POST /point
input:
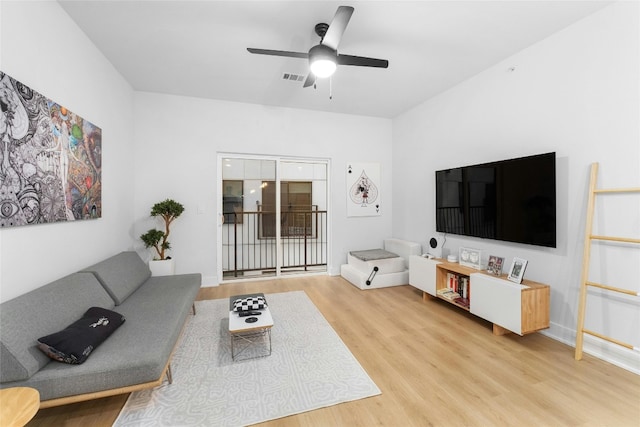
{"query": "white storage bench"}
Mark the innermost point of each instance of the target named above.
(380, 268)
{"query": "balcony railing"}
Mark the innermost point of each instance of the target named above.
(249, 242)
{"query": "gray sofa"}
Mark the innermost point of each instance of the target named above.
(134, 357)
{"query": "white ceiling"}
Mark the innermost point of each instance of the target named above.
(198, 48)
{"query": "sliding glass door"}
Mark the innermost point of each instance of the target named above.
(272, 216)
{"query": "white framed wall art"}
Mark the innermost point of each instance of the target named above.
(363, 189)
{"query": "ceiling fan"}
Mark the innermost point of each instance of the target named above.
(324, 57)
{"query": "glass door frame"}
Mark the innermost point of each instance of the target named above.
(221, 156)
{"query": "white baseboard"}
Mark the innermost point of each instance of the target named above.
(209, 281)
(212, 281)
(609, 352)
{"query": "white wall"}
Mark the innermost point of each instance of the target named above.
(170, 153)
(44, 49)
(576, 93)
(177, 141)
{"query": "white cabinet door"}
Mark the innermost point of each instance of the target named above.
(496, 300)
(422, 273)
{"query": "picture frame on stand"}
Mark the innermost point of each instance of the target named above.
(494, 265)
(470, 258)
(516, 272)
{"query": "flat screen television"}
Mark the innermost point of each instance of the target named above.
(511, 200)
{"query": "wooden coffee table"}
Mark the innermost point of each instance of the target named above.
(250, 331)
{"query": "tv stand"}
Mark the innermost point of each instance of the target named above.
(511, 307)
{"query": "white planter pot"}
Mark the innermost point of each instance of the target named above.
(164, 267)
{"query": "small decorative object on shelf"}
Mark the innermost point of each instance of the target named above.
(495, 265)
(471, 258)
(516, 272)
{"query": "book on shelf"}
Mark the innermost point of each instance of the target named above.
(448, 294)
(458, 283)
(464, 302)
(464, 287)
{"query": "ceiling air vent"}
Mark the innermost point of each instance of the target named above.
(293, 77)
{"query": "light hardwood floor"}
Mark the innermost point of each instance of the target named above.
(435, 365)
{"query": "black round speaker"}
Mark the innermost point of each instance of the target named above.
(433, 243)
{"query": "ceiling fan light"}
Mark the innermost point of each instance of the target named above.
(322, 68)
(322, 61)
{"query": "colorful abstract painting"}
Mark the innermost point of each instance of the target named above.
(50, 160)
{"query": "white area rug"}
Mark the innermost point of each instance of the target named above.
(309, 368)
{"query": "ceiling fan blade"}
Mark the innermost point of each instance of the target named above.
(310, 80)
(362, 61)
(337, 27)
(287, 53)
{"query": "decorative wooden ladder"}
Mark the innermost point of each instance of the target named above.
(585, 282)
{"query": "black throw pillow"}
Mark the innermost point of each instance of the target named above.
(75, 343)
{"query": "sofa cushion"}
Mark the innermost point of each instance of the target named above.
(373, 254)
(121, 274)
(41, 312)
(75, 343)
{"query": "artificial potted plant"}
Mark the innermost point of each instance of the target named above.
(168, 210)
